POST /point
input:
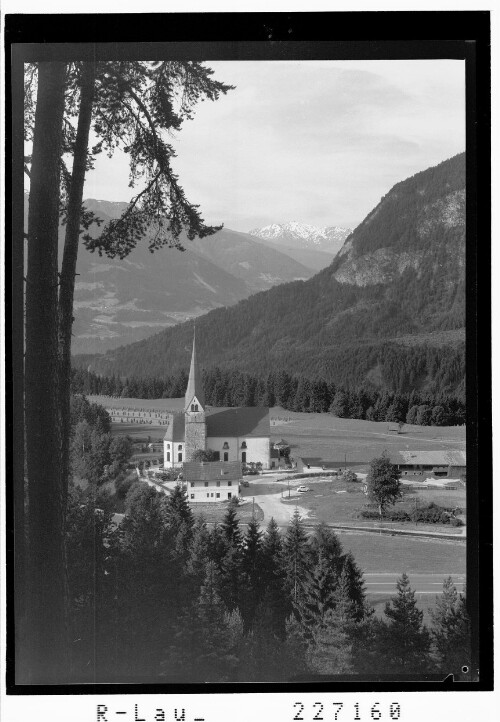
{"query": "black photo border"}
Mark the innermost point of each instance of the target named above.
(276, 36)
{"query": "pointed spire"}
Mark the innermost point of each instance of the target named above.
(195, 384)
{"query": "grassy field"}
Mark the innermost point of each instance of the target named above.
(335, 440)
(335, 501)
(383, 553)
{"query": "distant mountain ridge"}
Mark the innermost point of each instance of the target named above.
(396, 288)
(122, 301)
(303, 235)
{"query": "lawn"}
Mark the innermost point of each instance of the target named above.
(389, 554)
(338, 440)
(337, 501)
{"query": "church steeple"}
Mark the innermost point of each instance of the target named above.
(194, 391)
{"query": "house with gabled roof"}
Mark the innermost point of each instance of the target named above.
(240, 434)
(212, 481)
(449, 462)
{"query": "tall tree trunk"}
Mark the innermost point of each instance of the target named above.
(68, 269)
(46, 620)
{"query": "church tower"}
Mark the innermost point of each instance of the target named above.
(194, 409)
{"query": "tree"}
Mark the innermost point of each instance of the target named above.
(424, 415)
(438, 417)
(252, 588)
(349, 476)
(383, 482)
(90, 453)
(46, 630)
(331, 646)
(450, 630)
(296, 553)
(405, 641)
(120, 451)
(131, 104)
(411, 416)
(205, 455)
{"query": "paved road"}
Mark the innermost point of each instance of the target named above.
(427, 583)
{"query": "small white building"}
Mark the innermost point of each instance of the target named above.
(212, 481)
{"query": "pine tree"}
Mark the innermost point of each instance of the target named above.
(450, 630)
(296, 556)
(404, 641)
(276, 598)
(331, 645)
(230, 527)
(252, 588)
(317, 595)
(198, 552)
(355, 585)
(219, 633)
(324, 541)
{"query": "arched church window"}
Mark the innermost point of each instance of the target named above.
(243, 444)
(225, 445)
(180, 447)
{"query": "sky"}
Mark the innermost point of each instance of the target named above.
(318, 142)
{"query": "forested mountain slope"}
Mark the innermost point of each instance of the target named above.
(122, 301)
(399, 277)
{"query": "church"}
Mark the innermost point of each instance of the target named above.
(240, 434)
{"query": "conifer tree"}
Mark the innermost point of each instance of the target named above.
(198, 552)
(219, 633)
(296, 556)
(404, 641)
(230, 527)
(355, 585)
(450, 630)
(317, 595)
(252, 588)
(276, 598)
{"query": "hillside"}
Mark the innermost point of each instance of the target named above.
(400, 274)
(122, 301)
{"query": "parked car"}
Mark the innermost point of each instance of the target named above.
(245, 483)
(303, 488)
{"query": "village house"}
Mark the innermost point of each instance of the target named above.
(212, 481)
(450, 463)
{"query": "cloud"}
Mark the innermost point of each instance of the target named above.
(320, 142)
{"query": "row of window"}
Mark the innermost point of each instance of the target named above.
(217, 495)
(226, 456)
(217, 483)
(179, 456)
(179, 447)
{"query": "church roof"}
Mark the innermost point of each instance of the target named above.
(210, 470)
(239, 421)
(195, 382)
(176, 428)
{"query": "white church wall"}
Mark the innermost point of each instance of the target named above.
(257, 448)
(174, 454)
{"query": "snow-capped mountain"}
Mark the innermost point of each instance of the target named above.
(303, 235)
